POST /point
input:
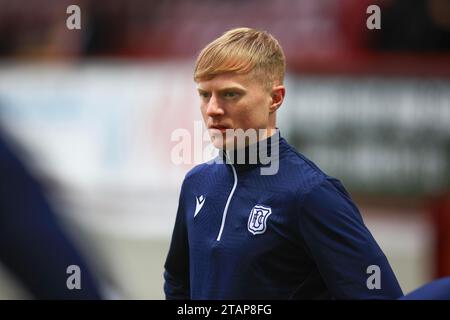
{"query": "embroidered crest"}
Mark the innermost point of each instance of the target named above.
(257, 221)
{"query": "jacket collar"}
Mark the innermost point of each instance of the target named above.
(262, 153)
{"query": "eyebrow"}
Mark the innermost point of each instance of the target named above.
(224, 89)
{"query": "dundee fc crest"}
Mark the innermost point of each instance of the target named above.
(257, 221)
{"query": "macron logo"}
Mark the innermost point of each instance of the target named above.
(200, 201)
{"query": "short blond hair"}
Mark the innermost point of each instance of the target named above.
(243, 50)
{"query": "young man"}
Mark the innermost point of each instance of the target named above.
(291, 233)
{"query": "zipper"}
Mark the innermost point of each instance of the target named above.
(224, 216)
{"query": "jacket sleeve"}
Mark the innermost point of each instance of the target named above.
(350, 261)
(176, 274)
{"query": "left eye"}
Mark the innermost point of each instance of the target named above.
(230, 94)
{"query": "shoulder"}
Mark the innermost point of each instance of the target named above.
(310, 180)
(202, 174)
(197, 171)
(303, 173)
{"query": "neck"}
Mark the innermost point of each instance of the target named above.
(267, 133)
(260, 153)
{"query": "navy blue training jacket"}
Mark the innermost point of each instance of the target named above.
(295, 234)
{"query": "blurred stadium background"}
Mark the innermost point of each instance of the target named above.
(94, 110)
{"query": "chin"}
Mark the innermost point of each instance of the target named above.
(220, 142)
(217, 141)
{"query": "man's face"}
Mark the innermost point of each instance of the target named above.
(235, 101)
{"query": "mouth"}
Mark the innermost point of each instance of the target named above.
(218, 128)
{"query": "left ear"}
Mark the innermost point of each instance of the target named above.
(277, 95)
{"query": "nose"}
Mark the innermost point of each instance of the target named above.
(213, 108)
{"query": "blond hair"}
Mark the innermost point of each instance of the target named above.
(243, 50)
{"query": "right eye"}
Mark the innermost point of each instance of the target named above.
(204, 95)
